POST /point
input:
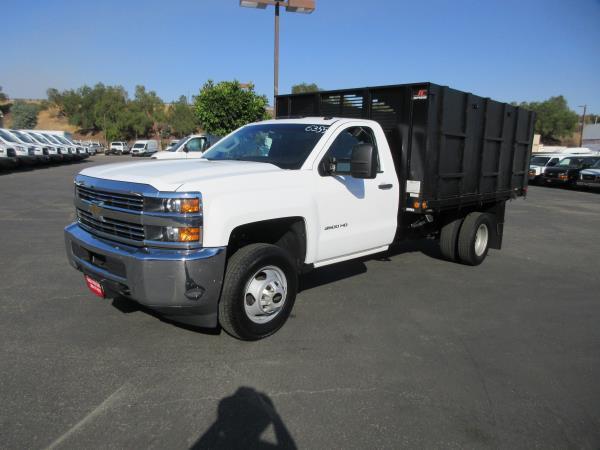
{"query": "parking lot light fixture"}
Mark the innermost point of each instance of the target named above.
(297, 6)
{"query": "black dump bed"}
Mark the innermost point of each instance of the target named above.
(455, 148)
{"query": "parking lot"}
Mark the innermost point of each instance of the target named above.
(400, 351)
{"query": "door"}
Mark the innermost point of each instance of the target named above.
(195, 147)
(355, 215)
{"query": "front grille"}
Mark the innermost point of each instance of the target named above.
(551, 174)
(589, 177)
(11, 152)
(31, 151)
(113, 227)
(125, 201)
(45, 151)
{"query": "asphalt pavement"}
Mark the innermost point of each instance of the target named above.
(400, 351)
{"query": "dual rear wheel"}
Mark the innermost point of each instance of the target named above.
(467, 239)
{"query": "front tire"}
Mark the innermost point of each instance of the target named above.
(259, 291)
(474, 238)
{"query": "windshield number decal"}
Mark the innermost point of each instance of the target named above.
(317, 128)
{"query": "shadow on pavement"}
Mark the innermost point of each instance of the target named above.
(242, 420)
(314, 279)
(127, 306)
(347, 269)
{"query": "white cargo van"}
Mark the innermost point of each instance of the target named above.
(144, 148)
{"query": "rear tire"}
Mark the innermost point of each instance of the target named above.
(474, 238)
(449, 239)
(257, 270)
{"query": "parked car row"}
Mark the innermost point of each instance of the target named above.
(33, 147)
(189, 147)
(566, 170)
(144, 147)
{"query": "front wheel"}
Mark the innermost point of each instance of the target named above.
(474, 238)
(259, 291)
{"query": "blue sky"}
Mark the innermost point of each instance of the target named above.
(505, 49)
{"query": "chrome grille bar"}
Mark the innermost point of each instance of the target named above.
(125, 201)
(111, 226)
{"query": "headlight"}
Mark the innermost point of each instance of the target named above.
(174, 234)
(187, 234)
(563, 176)
(173, 205)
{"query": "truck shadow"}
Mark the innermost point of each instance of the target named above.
(336, 272)
(128, 306)
(243, 421)
(316, 278)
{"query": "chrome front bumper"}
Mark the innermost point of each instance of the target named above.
(182, 285)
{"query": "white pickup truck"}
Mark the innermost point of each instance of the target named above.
(223, 239)
(190, 147)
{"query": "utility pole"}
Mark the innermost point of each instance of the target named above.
(297, 6)
(582, 124)
(276, 68)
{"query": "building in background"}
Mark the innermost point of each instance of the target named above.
(591, 136)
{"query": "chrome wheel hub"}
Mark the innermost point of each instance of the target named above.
(265, 294)
(481, 239)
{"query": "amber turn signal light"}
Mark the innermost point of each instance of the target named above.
(191, 234)
(190, 205)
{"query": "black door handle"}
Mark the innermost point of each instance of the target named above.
(385, 186)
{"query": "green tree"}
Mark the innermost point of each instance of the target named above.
(305, 87)
(181, 118)
(554, 118)
(225, 106)
(148, 111)
(3, 96)
(24, 115)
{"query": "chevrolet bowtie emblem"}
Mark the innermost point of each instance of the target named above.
(95, 210)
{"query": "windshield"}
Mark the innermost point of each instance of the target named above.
(51, 138)
(139, 145)
(62, 140)
(286, 145)
(8, 137)
(178, 144)
(39, 138)
(23, 137)
(539, 160)
(570, 162)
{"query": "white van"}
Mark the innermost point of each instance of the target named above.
(144, 148)
(118, 148)
(190, 147)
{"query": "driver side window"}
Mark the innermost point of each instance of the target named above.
(195, 145)
(340, 150)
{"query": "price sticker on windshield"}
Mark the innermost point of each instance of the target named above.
(317, 128)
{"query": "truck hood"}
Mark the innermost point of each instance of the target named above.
(171, 174)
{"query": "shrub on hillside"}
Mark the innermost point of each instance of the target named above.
(24, 115)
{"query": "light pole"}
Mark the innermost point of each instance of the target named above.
(299, 6)
(582, 124)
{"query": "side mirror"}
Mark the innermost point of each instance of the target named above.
(364, 161)
(185, 148)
